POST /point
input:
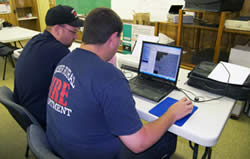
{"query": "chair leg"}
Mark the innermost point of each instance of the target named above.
(4, 69)
(12, 61)
(27, 151)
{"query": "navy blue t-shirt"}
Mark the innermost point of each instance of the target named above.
(89, 106)
(33, 73)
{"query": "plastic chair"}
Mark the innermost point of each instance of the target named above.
(38, 143)
(5, 52)
(23, 117)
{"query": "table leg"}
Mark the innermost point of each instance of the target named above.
(15, 44)
(210, 153)
(12, 61)
(207, 153)
(195, 148)
(20, 44)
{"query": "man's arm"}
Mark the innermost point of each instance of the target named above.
(151, 132)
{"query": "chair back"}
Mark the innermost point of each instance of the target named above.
(23, 117)
(5, 50)
(38, 143)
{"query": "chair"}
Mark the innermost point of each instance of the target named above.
(23, 117)
(5, 52)
(38, 143)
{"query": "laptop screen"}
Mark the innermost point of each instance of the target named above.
(160, 61)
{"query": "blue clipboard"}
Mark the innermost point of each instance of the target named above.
(162, 107)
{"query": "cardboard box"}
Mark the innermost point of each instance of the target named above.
(141, 18)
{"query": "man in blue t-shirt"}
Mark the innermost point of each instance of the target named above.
(35, 66)
(90, 109)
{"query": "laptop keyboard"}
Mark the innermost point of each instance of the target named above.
(149, 89)
(148, 83)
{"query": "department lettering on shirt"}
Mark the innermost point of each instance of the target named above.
(58, 96)
(66, 71)
(59, 108)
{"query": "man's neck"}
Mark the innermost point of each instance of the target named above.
(94, 48)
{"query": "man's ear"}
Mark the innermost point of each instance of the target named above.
(112, 38)
(57, 30)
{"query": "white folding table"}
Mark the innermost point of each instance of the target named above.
(205, 126)
(16, 34)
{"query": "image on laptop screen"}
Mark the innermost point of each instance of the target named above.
(161, 61)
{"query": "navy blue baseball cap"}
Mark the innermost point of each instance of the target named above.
(63, 15)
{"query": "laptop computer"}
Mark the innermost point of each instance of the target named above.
(158, 71)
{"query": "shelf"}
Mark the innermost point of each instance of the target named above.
(196, 26)
(23, 7)
(237, 31)
(200, 27)
(26, 18)
(200, 11)
(218, 29)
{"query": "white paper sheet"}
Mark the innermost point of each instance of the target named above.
(164, 39)
(4, 8)
(238, 74)
(138, 46)
(142, 30)
(240, 55)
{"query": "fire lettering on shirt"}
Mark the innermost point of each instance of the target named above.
(59, 91)
(64, 93)
(58, 95)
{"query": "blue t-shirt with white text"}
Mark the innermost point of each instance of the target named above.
(89, 106)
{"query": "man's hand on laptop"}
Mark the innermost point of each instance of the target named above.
(181, 108)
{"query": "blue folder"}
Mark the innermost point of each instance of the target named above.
(162, 107)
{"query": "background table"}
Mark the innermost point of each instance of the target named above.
(16, 34)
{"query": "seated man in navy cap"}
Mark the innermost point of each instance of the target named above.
(39, 58)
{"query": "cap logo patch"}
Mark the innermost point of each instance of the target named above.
(74, 13)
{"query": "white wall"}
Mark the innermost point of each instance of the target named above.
(158, 8)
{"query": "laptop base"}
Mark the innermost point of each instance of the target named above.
(149, 89)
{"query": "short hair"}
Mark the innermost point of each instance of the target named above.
(99, 25)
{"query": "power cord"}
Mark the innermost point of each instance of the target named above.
(197, 99)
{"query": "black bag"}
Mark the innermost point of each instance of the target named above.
(7, 24)
(198, 78)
